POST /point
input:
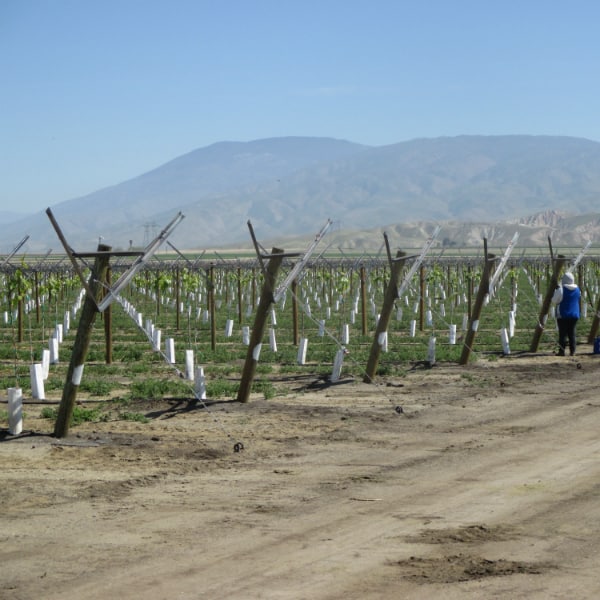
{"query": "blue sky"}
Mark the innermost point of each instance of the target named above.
(97, 92)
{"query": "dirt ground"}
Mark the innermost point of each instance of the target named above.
(450, 482)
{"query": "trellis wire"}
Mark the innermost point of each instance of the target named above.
(127, 306)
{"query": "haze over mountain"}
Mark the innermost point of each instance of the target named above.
(290, 186)
(8, 216)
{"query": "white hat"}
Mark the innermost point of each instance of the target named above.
(568, 279)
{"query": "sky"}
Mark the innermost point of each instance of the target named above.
(93, 93)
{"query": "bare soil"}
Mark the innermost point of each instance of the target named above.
(451, 482)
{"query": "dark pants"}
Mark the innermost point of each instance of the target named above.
(566, 331)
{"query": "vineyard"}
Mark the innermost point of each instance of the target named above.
(407, 431)
(182, 327)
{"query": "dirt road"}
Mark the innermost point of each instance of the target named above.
(486, 485)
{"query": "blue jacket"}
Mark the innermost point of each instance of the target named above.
(568, 307)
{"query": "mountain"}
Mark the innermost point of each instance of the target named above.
(7, 216)
(138, 208)
(290, 186)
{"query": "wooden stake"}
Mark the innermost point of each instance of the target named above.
(470, 291)
(260, 320)
(421, 298)
(483, 290)
(37, 295)
(557, 264)
(363, 299)
(82, 342)
(595, 321)
(107, 315)
(239, 295)
(295, 311)
(211, 308)
(157, 289)
(20, 312)
(177, 299)
(391, 294)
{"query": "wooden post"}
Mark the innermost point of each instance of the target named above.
(20, 316)
(157, 285)
(483, 290)
(19, 296)
(295, 311)
(211, 308)
(595, 323)
(421, 298)
(81, 344)
(239, 295)
(391, 294)
(36, 280)
(177, 299)
(330, 285)
(513, 289)
(108, 352)
(363, 299)
(260, 320)
(470, 291)
(557, 265)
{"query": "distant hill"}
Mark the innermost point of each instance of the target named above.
(567, 232)
(7, 216)
(290, 186)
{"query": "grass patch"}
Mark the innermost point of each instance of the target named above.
(80, 415)
(219, 388)
(264, 387)
(133, 416)
(96, 387)
(155, 389)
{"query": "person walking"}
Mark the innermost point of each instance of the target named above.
(567, 297)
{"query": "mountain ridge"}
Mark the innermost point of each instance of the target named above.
(565, 231)
(287, 187)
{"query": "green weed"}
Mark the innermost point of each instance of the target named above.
(158, 388)
(80, 415)
(96, 387)
(133, 416)
(219, 388)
